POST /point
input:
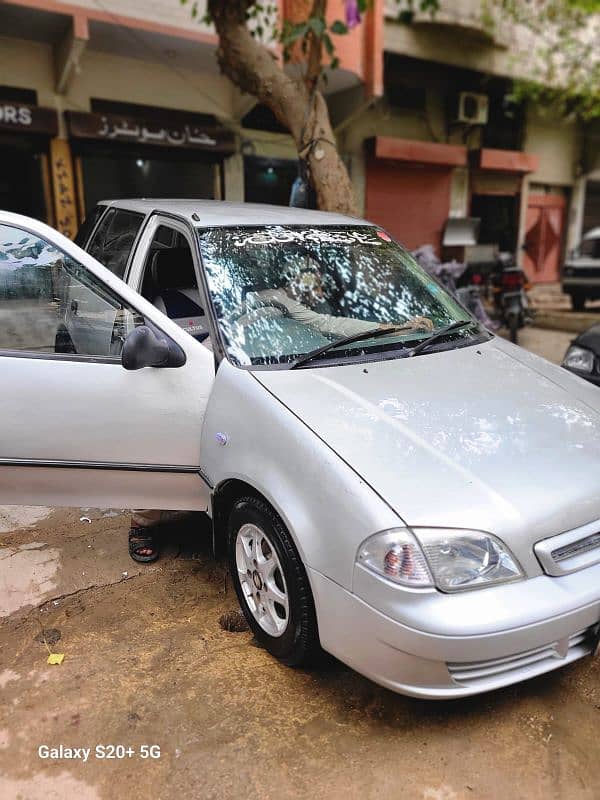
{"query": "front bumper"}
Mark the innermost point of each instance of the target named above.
(448, 655)
(582, 284)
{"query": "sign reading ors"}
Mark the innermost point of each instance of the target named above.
(33, 119)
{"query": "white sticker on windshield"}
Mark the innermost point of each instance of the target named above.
(316, 235)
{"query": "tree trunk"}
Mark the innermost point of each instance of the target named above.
(302, 110)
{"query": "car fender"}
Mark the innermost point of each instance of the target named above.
(250, 436)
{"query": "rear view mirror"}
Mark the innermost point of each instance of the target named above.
(145, 348)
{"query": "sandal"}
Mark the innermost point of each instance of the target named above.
(143, 539)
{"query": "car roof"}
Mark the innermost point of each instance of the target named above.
(215, 213)
(593, 233)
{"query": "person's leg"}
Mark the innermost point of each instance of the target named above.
(142, 536)
(143, 544)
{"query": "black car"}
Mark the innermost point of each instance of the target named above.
(583, 356)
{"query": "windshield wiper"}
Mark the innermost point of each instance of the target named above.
(454, 326)
(356, 337)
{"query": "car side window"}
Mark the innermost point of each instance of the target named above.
(88, 225)
(590, 248)
(113, 239)
(50, 303)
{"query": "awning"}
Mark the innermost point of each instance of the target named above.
(433, 153)
(506, 160)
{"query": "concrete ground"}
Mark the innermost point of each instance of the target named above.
(551, 345)
(147, 663)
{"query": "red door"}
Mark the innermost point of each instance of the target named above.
(411, 201)
(544, 226)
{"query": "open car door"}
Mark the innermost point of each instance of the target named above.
(77, 428)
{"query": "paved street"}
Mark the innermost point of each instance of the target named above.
(147, 663)
(549, 344)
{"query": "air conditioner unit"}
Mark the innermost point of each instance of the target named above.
(472, 108)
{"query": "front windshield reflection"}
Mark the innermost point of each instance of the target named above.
(283, 291)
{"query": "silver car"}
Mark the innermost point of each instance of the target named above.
(392, 483)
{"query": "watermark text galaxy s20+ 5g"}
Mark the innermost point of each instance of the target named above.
(98, 752)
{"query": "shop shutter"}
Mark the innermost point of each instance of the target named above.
(411, 201)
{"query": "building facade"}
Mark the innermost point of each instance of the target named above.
(98, 103)
(447, 140)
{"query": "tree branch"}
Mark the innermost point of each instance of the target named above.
(296, 102)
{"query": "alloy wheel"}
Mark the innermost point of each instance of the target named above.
(262, 580)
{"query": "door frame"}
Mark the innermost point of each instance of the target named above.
(134, 275)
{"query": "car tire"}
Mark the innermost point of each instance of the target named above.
(578, 302)
(263, 558)
(513, 328)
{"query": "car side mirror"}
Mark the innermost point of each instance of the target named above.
(145, 348)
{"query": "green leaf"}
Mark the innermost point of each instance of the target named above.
(292, 33)
(339, 28)
(335, 62)
(329, 46)
(317, 26)
(406, 17)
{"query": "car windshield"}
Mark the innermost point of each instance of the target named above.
(590, 247)
(281, 292)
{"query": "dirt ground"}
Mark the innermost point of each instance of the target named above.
(147, 663)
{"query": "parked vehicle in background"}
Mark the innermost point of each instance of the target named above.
(509, 287)
(451, 274)
(583, 356)
(581, 271)
(393, 483)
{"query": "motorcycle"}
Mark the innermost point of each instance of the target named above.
(453, 277)
(509, 287)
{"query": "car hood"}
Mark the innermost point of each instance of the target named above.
(488, 437)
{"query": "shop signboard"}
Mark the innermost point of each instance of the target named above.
(181, 132)
(24, 118)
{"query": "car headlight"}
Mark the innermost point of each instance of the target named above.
(579, 358)
(451, 559)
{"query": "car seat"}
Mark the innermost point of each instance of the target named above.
(177, 293)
